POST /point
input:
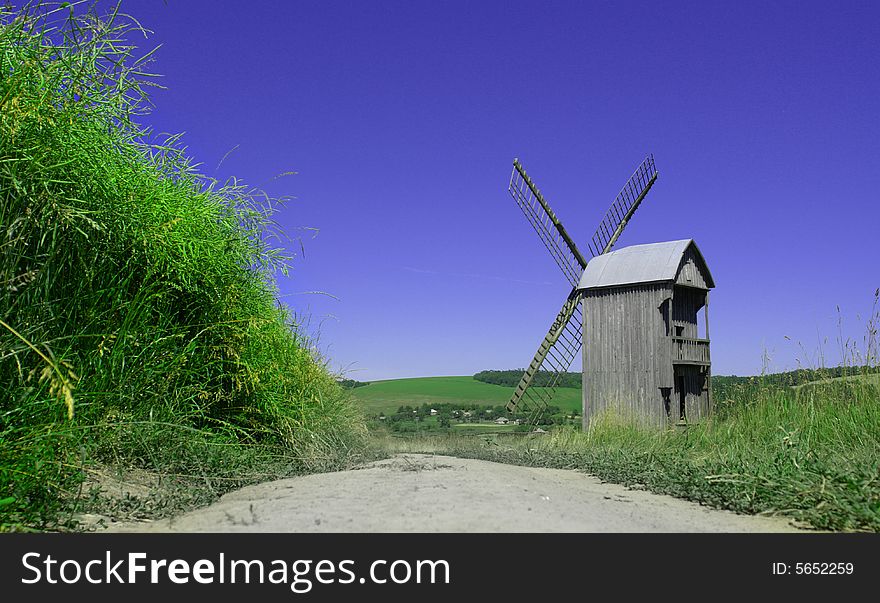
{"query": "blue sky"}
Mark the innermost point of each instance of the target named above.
(401, 120)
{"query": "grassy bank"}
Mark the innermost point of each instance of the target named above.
(138, 317)
(811, 453)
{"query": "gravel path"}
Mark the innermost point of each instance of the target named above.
(425, 493)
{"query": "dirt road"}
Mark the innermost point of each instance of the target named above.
(424, 493)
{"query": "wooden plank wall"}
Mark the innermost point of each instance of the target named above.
(691, 266)
(627, 356)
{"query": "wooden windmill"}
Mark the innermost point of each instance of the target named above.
(644, 297)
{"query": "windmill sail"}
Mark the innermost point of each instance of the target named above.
(546, 224)
(555, 355)
(623, 207)
(563, 341)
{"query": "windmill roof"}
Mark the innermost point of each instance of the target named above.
(639, 264)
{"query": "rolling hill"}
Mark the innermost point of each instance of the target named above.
(388, 396)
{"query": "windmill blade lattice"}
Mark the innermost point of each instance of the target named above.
(555, 355)
(546, 224)
(623, 207)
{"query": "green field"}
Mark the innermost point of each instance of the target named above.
(388, 396)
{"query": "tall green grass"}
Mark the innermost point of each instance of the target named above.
(137, 298)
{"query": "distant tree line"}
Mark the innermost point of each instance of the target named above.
(542, 378)
(351, 383)
(797, 377)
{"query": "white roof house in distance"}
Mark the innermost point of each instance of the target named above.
(645, 353)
